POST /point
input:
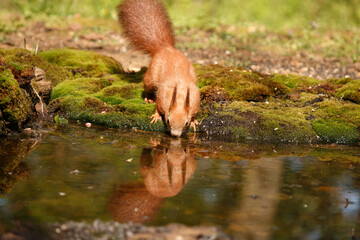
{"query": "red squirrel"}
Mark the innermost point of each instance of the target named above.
(170, 80)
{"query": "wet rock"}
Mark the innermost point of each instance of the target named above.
(26, 81)
(15, 103)
(24, 91)
(43, 85)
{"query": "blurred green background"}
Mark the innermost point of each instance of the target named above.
(272, 14)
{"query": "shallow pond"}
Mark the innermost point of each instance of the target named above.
(250, 191)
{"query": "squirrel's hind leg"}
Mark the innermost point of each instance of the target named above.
(148, 100)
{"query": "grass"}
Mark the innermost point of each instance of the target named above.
(326, 27)
(273, 14)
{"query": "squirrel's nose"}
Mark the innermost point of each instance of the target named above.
(176, 133)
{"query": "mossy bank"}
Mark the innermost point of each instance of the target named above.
(237, 104)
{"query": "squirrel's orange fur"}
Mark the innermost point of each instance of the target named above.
(170, 76)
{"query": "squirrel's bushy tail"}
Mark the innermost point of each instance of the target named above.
(147, 24)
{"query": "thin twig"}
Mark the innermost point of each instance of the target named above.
(41, 102)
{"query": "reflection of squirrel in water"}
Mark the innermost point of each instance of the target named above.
(165, 169)
(170, 75)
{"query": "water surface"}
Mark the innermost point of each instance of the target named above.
(250, 191)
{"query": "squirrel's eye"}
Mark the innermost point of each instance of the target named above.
(168, 121)
(186, 124)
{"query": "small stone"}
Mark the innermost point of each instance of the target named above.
(62, 194)
(88, 125)
(39, 74)
(129, 234)
(129, 160)
(76, 172)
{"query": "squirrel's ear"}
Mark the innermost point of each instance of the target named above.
(187, 101)
(173, 99)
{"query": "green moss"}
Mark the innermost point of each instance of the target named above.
(60, 121)
(83, 63)
(238, 83)
(341, 111)
(350, 91)
(330, 130)
(117, 94)
(291, 115)
(128, 115)
(15, 104)
(80, 87)
(20, 59)
(115, 101)
(341, 81)
(258, 107)
(294, 81)
(260, 122)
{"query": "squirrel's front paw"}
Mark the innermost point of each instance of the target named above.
(155, 117)
(193, 124)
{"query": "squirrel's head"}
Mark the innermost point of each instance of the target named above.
(178, 118)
